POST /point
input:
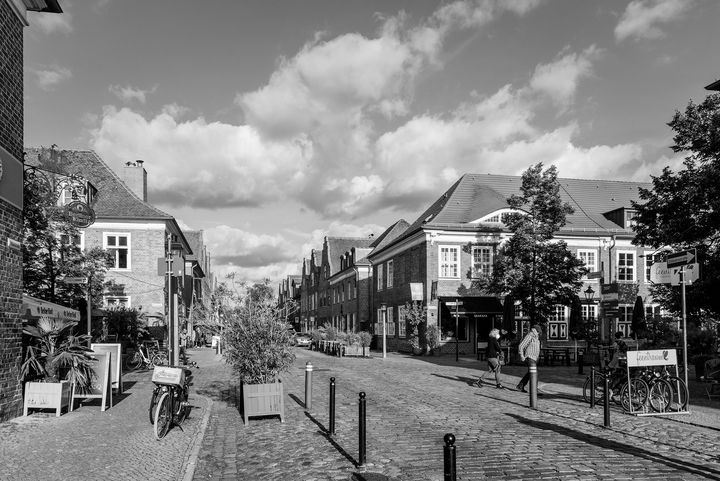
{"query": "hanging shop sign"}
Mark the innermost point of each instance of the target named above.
(79, 214)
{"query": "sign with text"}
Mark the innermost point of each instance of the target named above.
(691, 273)
(659, 357)
(75, 280)
(100, 387)
(416, 291)
(115, 351)
(683, 258)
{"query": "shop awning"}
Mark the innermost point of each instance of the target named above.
(33, 308)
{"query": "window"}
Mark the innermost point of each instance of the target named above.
(649, 260)
(449, 261)
(589, 258)
(625, 319)
(589, 312)
(557, 325)
(389, 274)
(390, 323)
(402, 322)
(482, 262)
(78, 240)
(630, 218)
(626, 266)
(380, 280)
(116, 302)
(652, 310)
(119, 246)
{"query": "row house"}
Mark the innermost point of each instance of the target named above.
(309, 291)
(289, 300)
(444, 258)
(13, 19)
(142, 238)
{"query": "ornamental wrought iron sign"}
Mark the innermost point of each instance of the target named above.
(79, 214)
(68, 195)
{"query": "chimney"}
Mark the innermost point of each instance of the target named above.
(135, 177)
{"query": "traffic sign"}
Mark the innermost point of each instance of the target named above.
(453, 303)
(683, 258)
(75, 280)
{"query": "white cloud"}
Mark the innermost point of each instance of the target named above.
(559, 79)
(128, 93)
(47, 77)
(52, 22)
(642, 18)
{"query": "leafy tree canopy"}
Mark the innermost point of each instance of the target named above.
(536, 269)
(682, 209)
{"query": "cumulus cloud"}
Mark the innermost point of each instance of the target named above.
(52, 23)
(559, 79)
(643, 19)
(48, 77)
(128, 93)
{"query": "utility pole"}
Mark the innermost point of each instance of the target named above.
(172, 341)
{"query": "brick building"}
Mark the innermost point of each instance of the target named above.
(13, 18)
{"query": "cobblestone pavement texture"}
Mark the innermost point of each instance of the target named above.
(412, 402)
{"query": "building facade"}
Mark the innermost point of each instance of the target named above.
(13, 18)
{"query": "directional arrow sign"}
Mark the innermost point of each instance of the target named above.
(453, 303)
(75, 280)
(681, 258)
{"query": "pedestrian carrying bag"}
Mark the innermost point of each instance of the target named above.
(501, 358)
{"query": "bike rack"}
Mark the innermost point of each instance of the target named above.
(654, 358)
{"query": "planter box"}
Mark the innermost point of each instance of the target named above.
(263, 400)
(356, 350)
(47, 395)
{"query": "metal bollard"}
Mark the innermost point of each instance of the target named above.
(533, 384)
(592, 387)
(606, 401)
(332, 406)
(308, 385)
(581, 361)
(361, 430)
(449, 457)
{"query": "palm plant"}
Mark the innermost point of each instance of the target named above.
(55, 353)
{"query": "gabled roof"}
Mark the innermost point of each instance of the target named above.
(361, 254)
(390, 234)
(114, 199)
(338, 246)
(474, 196)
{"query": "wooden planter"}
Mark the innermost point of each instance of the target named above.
(47, 395)
(355, 350)
(263, 400)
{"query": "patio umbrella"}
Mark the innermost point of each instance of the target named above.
(638, 317)
(576, 321)
(508, 323)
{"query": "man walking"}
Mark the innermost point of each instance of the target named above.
(529, 350)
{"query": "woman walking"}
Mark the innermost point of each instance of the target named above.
(494, 353)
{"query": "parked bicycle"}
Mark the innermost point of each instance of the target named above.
(631, 395)
(146, 359)
(169, 402)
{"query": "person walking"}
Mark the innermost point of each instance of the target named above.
(494, 353)
(529, 350)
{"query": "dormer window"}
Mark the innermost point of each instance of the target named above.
(498, 217)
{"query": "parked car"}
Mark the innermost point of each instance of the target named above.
(303, 339)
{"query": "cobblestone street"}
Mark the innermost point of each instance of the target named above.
(412, 402)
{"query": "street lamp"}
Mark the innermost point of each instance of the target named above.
(589, 294)
(383, 309)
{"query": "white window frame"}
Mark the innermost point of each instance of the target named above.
(390, 273)
(81, 245)
(118, 235)
(380, 277)
(558, 323)
(390, 322)
(107, 298)
(629, 269)
(648, 256)
(402, 322)
(447, 265)
(588, 312)
(583, 256)
(485, 268)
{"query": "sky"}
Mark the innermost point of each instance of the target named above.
(270, 124)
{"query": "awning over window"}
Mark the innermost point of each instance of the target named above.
(33, 308)
(473, 305)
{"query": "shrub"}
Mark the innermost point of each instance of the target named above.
(432, 337)
(316, 336)
(258, 343)
(353, 338)
(365, 338)
(331, 334)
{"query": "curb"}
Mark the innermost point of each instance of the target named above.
(191, 463)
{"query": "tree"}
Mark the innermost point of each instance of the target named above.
(416, 318)
(682, 209)
(50, 248)
(535, 268)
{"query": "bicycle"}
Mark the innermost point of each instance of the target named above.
(631, 395)
(169, 398)
(145, 359)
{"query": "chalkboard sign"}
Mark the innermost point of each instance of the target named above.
(115, 363)
(100, 387)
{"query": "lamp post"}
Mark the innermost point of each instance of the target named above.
(589, 294)
(383, 309)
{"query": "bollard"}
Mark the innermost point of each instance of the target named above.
(567, 357)
(449, 457)
(361, 430)
(592, 387)
(533, 383)
(606, 401)
(308, 385)
(581, 360)
(332, 406)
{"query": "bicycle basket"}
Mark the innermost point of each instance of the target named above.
(168, 375)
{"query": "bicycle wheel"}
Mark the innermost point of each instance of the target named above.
(661, 395)
(163, 416)
(634, 395)
(160, 359)
(133, 362)
(183, 408)
(153, 404)
(599, 392)
(681, 395)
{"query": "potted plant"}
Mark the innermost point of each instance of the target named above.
(55, 361)
(365, 340)
(258, 346)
